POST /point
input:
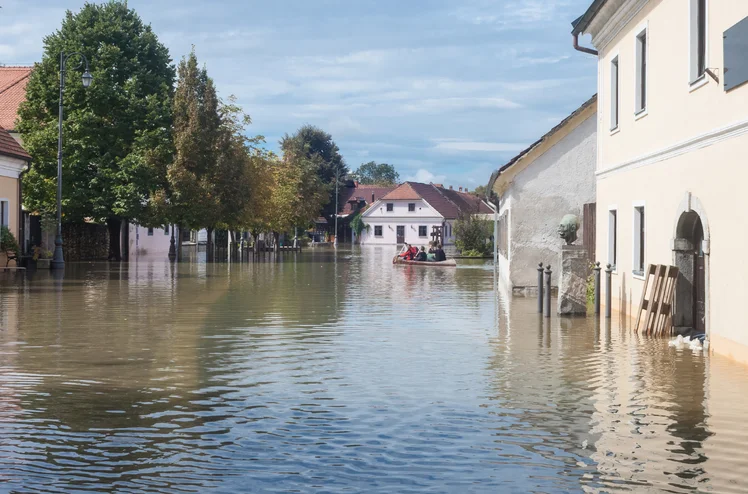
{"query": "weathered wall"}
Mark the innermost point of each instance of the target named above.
(557, 183)
(142, 244)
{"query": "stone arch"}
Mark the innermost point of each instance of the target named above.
(690, 246)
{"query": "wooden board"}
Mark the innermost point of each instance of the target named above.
(655, 308)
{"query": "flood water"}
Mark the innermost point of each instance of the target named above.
(327, 373)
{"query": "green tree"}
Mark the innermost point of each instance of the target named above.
(317, 147)
(117, 132)
(192, 198)
(473, 235)
(479, 191)
(373, 173)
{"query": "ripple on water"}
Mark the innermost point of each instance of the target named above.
(345, 375)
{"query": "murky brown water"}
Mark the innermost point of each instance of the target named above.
(347, 374)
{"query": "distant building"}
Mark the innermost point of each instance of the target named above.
(13, 82)
(413, 211)
(671, 165)
(149, 242)
(553, 177)
(354, 198)
(13, 160)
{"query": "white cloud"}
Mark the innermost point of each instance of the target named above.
(451, 145)
(436, 105)
(425, 176)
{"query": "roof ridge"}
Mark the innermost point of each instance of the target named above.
(445, 196)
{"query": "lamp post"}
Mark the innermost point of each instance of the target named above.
(337, 181)
(58, 261)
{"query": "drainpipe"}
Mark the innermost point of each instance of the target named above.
(495, 231)
(589, 51)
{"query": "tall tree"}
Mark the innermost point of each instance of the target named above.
(193, 201)
(373, 173)
(317, 147)
(117, 132)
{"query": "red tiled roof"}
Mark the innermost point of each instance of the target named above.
(448, 203)
(351, 196)
(12, 93)
(9, 146)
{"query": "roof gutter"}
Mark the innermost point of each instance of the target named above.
(583, 49)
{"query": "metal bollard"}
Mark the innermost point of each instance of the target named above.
(548, 291)
(608, 290)
(597, 288)
(540, 288)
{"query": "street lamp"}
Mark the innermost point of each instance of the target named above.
(58, 261)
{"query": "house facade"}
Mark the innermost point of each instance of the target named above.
(413, 211)
(145, 241)
(553, 177)
(356, 197)
(673, 134)
(13, 161)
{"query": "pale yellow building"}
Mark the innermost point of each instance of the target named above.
(13, 161)
(672, 143)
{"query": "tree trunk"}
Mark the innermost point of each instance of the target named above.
(114, 225)
(276, 239)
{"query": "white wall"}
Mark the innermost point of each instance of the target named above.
(557, 183)
(424, 215)
(142, 244)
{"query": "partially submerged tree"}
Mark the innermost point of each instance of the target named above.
(192, 200)
(373, 173)
(117, 133)
(473, 235)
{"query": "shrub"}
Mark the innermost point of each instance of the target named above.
(8, 241)
(473, 234)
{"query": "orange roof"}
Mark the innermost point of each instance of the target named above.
(405, 192)
(12, 92)
(9, 146)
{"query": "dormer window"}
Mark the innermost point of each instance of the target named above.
(412, 207)
(390, 207)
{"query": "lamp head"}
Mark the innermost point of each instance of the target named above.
(87, 78)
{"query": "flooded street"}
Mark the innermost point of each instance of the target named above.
(327, 373)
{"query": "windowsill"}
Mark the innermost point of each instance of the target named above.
(638, 275)
(615, 130)
(641, 114)
(700, 82)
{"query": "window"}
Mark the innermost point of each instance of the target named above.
(390, 207)
(411, 207)
(614, 94)
(378, 231)
(612, 237)
(423, 231)
(641, 71)
(150, 232)
(166, 230)
(4, 213)
(639, 240)
(698, 39)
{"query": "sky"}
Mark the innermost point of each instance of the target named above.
(446, 91)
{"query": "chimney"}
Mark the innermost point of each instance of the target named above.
(372, 197)
(450, 187)
(460, 189)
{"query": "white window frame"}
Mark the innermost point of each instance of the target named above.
(5, 212)
(149, 231)
(613, 244)
(637, 241)
(615, 94)
(387, 207)
(695, 80)
(426, 235)
(381, 231)
(641, 72)
(414, 207)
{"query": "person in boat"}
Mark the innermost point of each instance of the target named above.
(409, 252)
(421, 256)
(439, 254)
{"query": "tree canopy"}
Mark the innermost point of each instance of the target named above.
(117, 132)
(373, 173)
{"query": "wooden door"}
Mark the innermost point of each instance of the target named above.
(400, 234)
(589, 222)
(699, 285)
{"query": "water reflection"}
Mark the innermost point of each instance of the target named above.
(344, 373)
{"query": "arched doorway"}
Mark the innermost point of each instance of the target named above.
(691, 257)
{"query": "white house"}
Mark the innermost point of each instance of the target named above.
(150, 242)
(414, 211)
(553, 177)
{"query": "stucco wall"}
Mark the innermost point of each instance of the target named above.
(713, 175)
(675, 111)
(557, 183)
(692, 139)
(9, 192)
(141, 244)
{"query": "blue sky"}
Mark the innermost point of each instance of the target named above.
(444, 90)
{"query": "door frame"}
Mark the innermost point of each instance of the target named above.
(398, 238)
